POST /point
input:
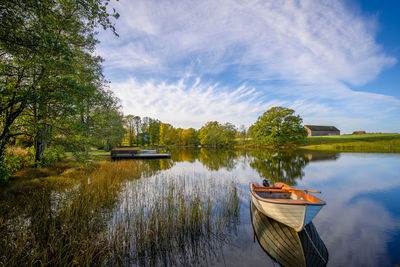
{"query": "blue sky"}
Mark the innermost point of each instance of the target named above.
(189, 62)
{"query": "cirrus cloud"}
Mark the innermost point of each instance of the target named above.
(304, 54)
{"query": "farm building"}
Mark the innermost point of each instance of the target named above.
(317, 130)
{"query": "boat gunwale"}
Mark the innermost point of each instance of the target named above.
(282, 200)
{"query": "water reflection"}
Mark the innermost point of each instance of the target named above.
(279, 166)
(322, 156)
(360, 226)
(212, 159)
(286, 246)
(283, 166)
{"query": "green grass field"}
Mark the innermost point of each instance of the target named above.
(96, 155)
(386, 143)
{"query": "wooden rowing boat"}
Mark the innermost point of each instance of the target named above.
(286, 246)
(288, 205)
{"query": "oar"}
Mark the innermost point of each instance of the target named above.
(305, 190)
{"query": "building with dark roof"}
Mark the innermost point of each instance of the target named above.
(318, 130)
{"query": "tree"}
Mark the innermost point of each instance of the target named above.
(190, 137)
(167, 134)
(130, 128)
(278, 126)
(137, 123)
(215, 134)
(154, 132)
(108, 122)
(46, 61)
(227, 134)
(242, 133)
(209, 133)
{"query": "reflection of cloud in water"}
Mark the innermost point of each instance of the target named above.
(356, 228)
(355, 231)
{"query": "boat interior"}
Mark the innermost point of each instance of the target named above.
(283, 193)
(275, 193)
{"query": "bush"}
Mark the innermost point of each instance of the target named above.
(12, 163)
(51, 156)
(81, 157)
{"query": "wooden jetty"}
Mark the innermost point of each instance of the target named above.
(136, 153)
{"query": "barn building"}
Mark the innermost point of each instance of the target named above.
(317, 130)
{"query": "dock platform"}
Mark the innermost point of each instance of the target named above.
(125, 153)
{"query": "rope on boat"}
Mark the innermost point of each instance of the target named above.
(312, 243)
(266, 237)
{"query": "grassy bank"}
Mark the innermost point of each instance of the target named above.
(105, 215)
(380, 143)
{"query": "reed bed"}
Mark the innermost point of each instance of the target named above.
(107, 216)
(173, 220)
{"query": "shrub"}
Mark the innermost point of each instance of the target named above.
(81, 157)
(12, 163)
(51, 156)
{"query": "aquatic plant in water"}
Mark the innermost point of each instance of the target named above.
(109, 216)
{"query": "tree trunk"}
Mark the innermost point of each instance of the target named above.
(3, 147)
(108, 146)
(87, 129)
(40, 143)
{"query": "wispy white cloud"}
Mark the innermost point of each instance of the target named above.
(190, 103)
(299, 53)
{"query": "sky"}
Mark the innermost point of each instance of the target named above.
(190, 62)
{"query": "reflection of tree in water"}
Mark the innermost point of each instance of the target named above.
(214, 159)
(153, 166)
(321, 155)
(185, 154)
(279, 166)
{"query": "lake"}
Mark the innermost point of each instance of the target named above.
(360, 225)
(195, 209)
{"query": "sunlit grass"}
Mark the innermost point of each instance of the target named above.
(355, 143)
(106, 215)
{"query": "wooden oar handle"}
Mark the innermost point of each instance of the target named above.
(305, 190)
(311, 191)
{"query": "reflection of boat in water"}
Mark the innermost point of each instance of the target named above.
(293, 207)
(286, 246)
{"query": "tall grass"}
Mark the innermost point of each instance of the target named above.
(106, 216)
(172, 220)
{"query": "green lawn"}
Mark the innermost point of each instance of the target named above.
(94, 154)
(355, 143)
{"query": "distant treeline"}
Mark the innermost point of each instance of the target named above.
(148, 131)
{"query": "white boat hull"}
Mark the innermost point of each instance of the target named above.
(296, 216)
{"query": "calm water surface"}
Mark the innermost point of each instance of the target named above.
(360, 225)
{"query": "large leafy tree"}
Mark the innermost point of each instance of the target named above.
(46, 63)
(107, 122)
(154, 131)
(215, 134)
(190, 137)
(278, 126)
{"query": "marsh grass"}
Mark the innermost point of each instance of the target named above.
(173, 220)
(105, 215)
